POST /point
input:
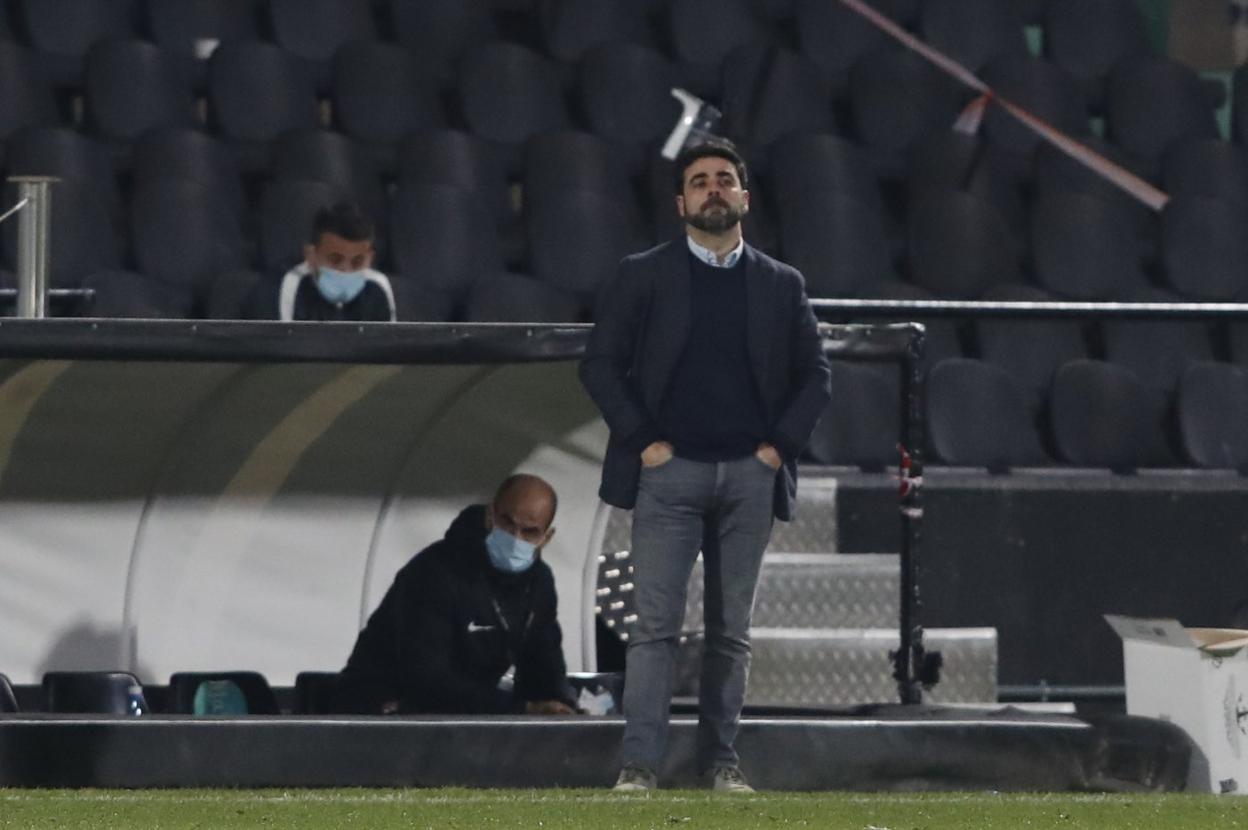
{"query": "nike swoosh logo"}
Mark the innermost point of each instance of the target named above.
(473, 628)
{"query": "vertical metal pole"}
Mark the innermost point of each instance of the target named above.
(909, 658)
(33, 244)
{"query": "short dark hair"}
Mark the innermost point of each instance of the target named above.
(345, 219)
(722, 148)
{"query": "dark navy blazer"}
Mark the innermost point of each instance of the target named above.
(642, 324)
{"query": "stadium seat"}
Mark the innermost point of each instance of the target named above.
(314, 692)
(179, 25)
(972, 32)
(770, 92)
(570, 28)
(959, 245)
(380, 97)
(1030, 351)
(510, 94)
(837, 242)
(234, 295)
(456, 158)
(978, 417)
(1153, 102)
(625, 93)
(1102, 416)
(313, 30)
(951, 160)
(184, 690)
(503, 297)
(1157, 351)
(438, 32)
(813, 161)
(183, 153)
(64, 30)
(1206, 167)
(324, 156)
(941, 341)
(443, 238)
(1204, 247)
(256, 92)
(1084, 247)
(1040, 87)
(85, 238)
(69, 155)
(1088, 38)
(287, 210)
(576, 241)
(8, 700)
(832, 36)
(1239, 105)
(703, 33)
(88, 692)
(26, 96)
(1213, 416)
(570, 160)
(184, 233)
(861, 425)
(134, 86)
(416, 303)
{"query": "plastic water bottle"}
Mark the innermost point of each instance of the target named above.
(135, 705)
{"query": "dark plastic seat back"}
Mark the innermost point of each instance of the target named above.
(770, 92)
(184, 233)
(564, 160)
(183, 153)
(255, 688)
(862, 424)
(88, 692)
(570, 28)
(959, 245)
(314, 692)
(1213, 416)
(70, 156)
(443, 237)
(978, 417)
(460, 159)
(897, 98)
(1043, 89)
(1088, 38)
(417, 303)
(1158, 351)
(941, 341)
(324, 156)
(1152, 103)
(1204, 247)
(379, 94)
(836, 241)
(233, 295)
(315, 29)
(134, 86)
(127, 295)
(972, 32)
(177, 25)
(1030, 351)
(287, 211)
(575, 242)
(704, 32)
(625, 92)
(1206, 167)
(71, 27)
(509, 93)
(257, 91)
(950, 160)
(833, 36)
(438, 32)
(514, 298)
(85, 240)
(1102, 416)
(1084, 248)
(26, 97)
(812, 161)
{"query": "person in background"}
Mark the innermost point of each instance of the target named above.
(469, 624)
(336, 280)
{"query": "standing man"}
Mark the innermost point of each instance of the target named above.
(336, 280)
(709, 370)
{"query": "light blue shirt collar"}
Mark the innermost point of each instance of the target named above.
(708, 256)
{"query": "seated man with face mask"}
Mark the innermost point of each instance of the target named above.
(336, 281)
(469, 624)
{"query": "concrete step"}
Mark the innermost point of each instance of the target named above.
(814, 590)
(839, 666)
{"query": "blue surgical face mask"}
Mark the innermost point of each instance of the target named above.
(339, 287)
(508, 553)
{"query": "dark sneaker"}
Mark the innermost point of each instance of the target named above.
(729, 780)
(635, 780)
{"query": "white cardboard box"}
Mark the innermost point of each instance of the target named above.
(1196, 678)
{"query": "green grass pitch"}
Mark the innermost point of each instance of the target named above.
(416, 809)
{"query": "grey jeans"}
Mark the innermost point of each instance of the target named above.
(725, 510)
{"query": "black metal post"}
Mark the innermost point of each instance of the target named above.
(911, 668)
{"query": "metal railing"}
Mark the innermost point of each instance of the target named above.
(33, 209)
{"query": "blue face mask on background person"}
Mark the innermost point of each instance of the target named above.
(509, 553)
(339, 287)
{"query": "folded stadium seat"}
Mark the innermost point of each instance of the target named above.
(1158, 351)
(1088, 38)
(69, 155)
(972, 32)
(63, 30)
(185, 234)
(438, 32)
(1030, 351)
(443, 238)
(977, 417)
(323, 156)
(570, 28)
(897, 98)
(257, 92)
(416, 303)
(509, 94)
(132, 87)
(314, 692)
(84, 237)
(235, 295)
(1152, 102)
(625, 94)
(576, 242)
(89, 692)
(942, 340)
(26, 96)
(287, 210)
(380, 97)
(1043, 89)
(702, 33)
(837, 242)
(1084, 247)
(1206, 167)
(8, 700)
(951, 160)
(832, 36)
(125, 294)
(503, 297)
(1102, 416)
(1204, 249)
(959, 244)
(1213, 416)
(313, 30)
(458, 158)
(221, 693)
(861, 426)
(770, 92)
(192, 28)
(184, 153)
